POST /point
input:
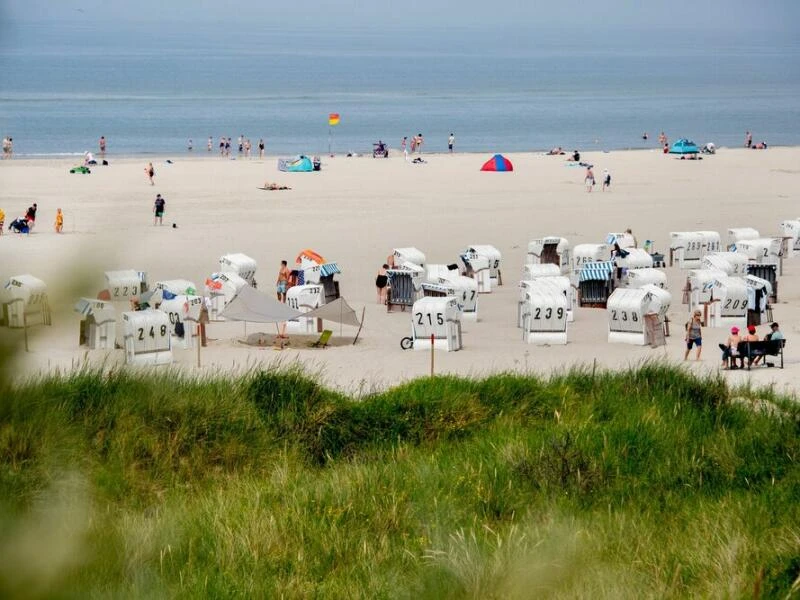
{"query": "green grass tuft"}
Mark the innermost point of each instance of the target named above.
(647, 483)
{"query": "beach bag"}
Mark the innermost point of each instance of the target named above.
(179, 329)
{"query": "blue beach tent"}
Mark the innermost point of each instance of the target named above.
(298, 164)
(684, 146)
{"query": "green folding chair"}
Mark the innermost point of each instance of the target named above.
(323, 340)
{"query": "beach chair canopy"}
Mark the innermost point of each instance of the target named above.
(498, 163)
(684, 146)
(255, 307)
(298, 164)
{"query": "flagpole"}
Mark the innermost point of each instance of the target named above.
(330, 137)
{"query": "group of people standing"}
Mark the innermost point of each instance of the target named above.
(225, 143)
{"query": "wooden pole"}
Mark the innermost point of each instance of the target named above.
(25, 328)
(432, 353)
(199, 343)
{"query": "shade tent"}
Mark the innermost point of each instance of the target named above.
(684, 146)
(298, 164)
(255, 307)
(251, 305)
(498, 163)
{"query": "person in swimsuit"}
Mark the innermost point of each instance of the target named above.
(150, 172)
(606, 179)
(589, 179)
(381, 283)
(694, 335)
(261, 148)
(59, 225)
(102, 145)
(282, 283)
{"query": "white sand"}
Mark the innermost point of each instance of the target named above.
(354, 212)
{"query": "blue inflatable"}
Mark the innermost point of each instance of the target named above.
(298, 164)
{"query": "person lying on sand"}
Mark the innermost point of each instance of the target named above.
(274, 186)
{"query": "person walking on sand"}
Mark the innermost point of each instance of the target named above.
(606, 179)
(59, 221)
(694, 335)
(748, 139)
(282, 283)
(419, 143)
(150, 172)
(261, 148)
(589, 179)
(102, 145)
(450, 141)
(381, 283)
(158, 210)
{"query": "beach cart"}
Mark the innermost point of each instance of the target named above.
(305, 298)
(98, 327)
(240, 264)
(730, 301)
(689, 247)
(544, 316)
(24, 302)
(184, 317)
(550, 250)
(437, 317)
(733, 264)
(595, 283)
(636, 278)
(220, 289)
(737, 234)
(404, 285)
(758, 308)
(638, 315)
(482, 262)
(147, 337)
(560, 285)
(791, 230)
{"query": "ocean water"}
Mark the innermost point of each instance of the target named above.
(150, 89)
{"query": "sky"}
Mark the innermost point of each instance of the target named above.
(748, 17)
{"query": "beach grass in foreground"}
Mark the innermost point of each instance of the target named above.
(649, 483)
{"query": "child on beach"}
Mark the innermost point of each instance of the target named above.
(59, 221)
(381, 283)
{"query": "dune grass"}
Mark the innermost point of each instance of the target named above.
(650, 483)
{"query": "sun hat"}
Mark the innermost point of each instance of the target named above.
(751, 328)
(734, 330)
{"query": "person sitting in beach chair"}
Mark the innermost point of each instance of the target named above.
(379, 150)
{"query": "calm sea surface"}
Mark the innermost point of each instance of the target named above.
(150, 89)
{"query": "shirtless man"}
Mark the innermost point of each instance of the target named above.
(282, 283)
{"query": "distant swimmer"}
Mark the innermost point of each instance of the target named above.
(102, 144)
(190, 145)
(210, 144)
(645, 136)
(748, 139)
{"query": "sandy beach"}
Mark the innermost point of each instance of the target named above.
(354, 212)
